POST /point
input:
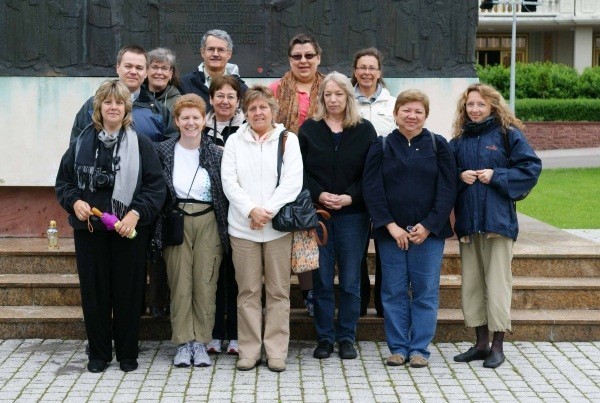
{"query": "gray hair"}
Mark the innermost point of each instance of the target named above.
(217, 33)
(351, 113)
(161, 55)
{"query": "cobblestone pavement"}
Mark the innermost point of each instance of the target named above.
(54, 370)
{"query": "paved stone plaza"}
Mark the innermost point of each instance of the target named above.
(54, 370)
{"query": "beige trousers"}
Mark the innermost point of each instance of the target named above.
(252, 260)
(486, 290)
(193, 271)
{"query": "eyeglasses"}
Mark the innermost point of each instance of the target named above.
(212, 49)
(161, 68)
(370, 69)
(307, 56)
(222, 97)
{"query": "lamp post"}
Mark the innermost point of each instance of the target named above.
(488, 5)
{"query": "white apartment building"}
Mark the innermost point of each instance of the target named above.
(559, 31)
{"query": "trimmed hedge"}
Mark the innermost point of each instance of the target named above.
(555, 110)
(548, 91)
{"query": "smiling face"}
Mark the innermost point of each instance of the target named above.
(132, 70)
(367, 72)
(224, 102)
(190, 122)
(305, 68)
(478, 108)
(159, 75)
(216, 54)
(335, 99)
(113, 112)
(260, 116)
(410, 118)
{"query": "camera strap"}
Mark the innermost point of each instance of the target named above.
(114, 155)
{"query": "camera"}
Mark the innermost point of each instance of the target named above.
(103, 179)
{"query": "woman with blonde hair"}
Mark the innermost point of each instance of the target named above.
(334, 145)
(256, 193)
(496, 166)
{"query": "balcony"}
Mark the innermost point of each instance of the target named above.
(548, 12)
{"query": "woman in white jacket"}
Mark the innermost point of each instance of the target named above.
(249, 174)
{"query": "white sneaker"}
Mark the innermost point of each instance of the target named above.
(233, 348)
(201, 358)
(214, 347)
(183, 358)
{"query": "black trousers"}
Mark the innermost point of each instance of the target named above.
(365, 283)
(225, 327)
(158, 284)
(111, 275)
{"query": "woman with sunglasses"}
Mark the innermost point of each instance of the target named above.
(297, 95)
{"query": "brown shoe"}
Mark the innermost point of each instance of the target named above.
(418, 361)
(395, 360)
(276, 364)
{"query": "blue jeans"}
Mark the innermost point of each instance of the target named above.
(347, 237)
(410, 317)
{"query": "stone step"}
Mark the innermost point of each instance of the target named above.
(528, 292)
(66, 322)
(541, 251)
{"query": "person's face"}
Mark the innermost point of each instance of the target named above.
(335, 99)
(478, 109)
(215, 54)
(132, 70)
(410, 118)
(224, 102)
(260, 116)
(190, 122)
(159, 75)
(367, 72)
(304, 69)
(113, 113)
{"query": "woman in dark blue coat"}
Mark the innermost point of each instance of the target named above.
(496, 166)
(409, 187)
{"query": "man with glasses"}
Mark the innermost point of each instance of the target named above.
(216, 48)
(150, 118)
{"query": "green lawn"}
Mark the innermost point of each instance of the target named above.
(565, 198)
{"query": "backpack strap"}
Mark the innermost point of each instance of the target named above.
(280, 151)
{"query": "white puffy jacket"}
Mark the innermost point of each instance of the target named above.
(380, 113)
(249, 175)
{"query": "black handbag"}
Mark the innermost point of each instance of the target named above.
(299, 215)
(173, 228)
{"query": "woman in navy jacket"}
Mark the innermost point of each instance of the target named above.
(409, 186)
(491, 178)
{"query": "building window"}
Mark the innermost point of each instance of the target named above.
(596, 61)
(495, 49)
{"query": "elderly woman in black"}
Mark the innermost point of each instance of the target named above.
(112, 168)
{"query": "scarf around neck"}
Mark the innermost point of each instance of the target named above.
(126, 177)
(478, 128)
(287, 96)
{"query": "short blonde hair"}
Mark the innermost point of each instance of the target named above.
(262, 92)
(112, 88)
(189, 101)
(351, 114)
(504, 116)
(412, 96)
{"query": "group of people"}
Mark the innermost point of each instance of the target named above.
(148, 154)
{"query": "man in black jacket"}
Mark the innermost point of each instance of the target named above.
(150, 118)
(216, 48)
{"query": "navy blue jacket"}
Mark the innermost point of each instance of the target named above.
(150, 118)
(490, 208)
(409, 183)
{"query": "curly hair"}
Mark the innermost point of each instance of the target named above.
(189, 101)
(504, 116)
(112, 88)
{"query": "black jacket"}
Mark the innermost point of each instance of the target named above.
(148, 198)
(332, 169)
(150, 118)
(195, 83)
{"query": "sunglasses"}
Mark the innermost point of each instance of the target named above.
(307, 56)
